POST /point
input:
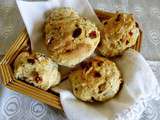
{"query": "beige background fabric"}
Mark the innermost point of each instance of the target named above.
(15, 106)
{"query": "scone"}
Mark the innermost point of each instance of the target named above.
(119, 33)
(97, 79)
(37, 69)
(70, 40)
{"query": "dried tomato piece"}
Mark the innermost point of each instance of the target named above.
(130, 33)
(93, 99)
(118, 18)
(38, 79)
(127, 42)
(32, 61)
(86, 65)
(92, 34)
(105, 23)
(68, 50)
(100, 63)
(76, 32)
(137, 25)
(97, 74)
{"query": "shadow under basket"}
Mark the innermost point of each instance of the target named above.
(22, 43)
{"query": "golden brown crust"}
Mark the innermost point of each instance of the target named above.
(119, 33)
(97, 79)
(67, 38)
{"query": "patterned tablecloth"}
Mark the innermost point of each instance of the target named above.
(15, 106)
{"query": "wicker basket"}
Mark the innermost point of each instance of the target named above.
(22, 43)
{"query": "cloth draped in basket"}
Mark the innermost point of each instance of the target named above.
(140, 86)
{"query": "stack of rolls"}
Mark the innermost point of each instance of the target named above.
(71, 40)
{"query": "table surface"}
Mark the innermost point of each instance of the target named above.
(15, 106)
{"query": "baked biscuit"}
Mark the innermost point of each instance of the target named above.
(119, 33)
(37, 69)
(70, 41)
(97, 79)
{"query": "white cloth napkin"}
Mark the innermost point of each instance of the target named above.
(140, 85)
(33, 14)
